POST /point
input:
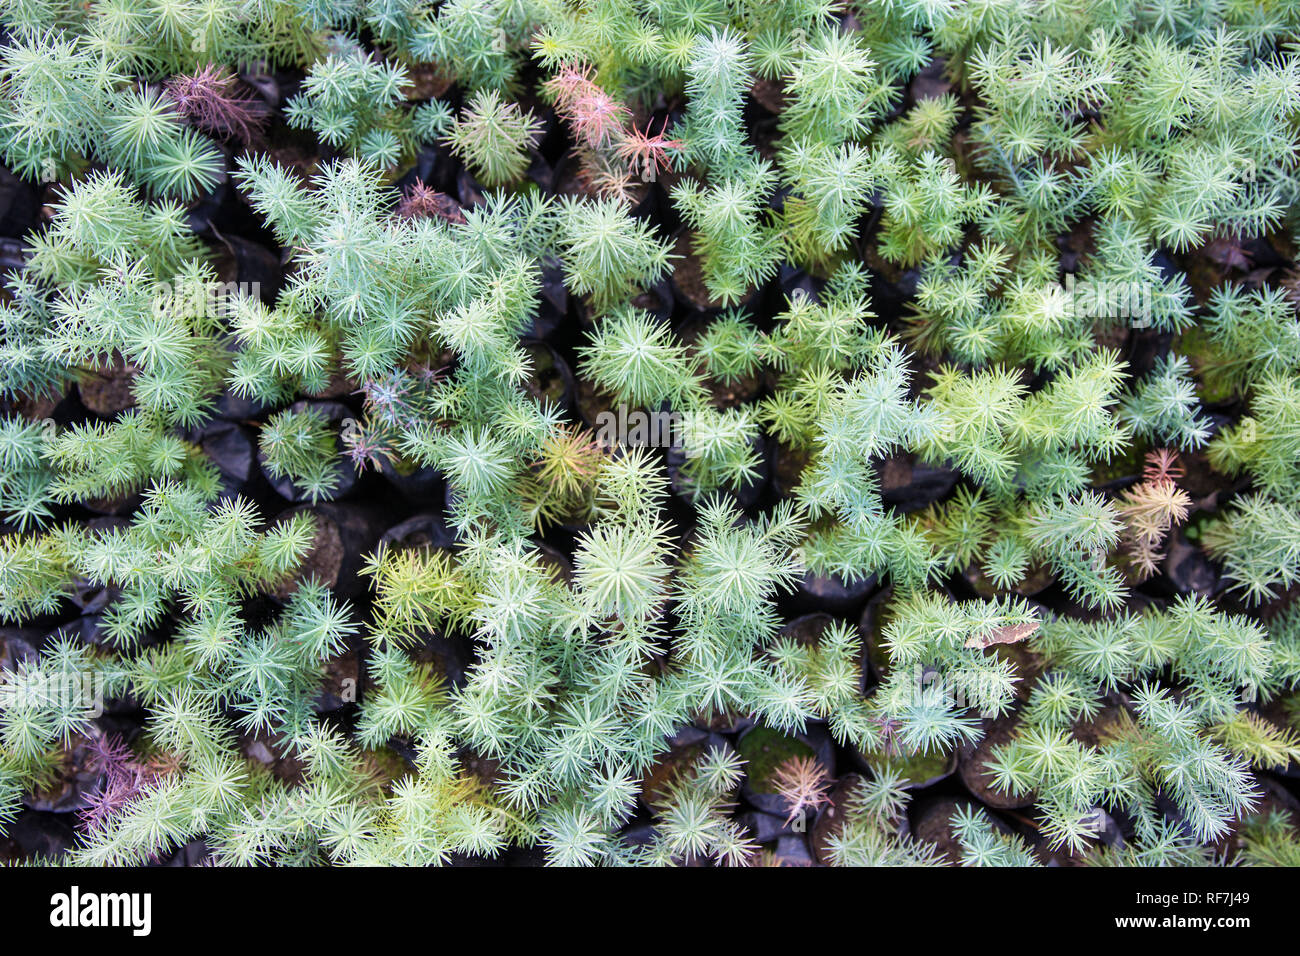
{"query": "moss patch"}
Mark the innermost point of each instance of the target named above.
(916, 769)
(765, 750)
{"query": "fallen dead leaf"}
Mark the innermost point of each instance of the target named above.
(1003, 635)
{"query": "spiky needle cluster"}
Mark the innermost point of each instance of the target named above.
(1005, 249)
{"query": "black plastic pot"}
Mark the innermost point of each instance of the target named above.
(422, 485)
(19, 205)
(556, 560)
(875, 658)
(87, 597)
(450, 654)
(792, 849)
(787, 467)
(745, 496)
(972, 765)
(435, 167)
(233, 449)
(74, 781)
(35, 833)
(592, 405)
(106, 392)
(1187, 570)
(205, 210)
(830, 818)
(918, 771)
(657, 300)
(427, 530)
(255, 269)
(831, 593)
(765, 828)
(910, 485)
(891, 288)
(233, 408)
(117, 506)
(807, 629)
(345, 535)
(341, 687)
(727, 723)
(18, 644)
(794, 281)
(565, 180)
(931, 822)
(764, 750)
(684, 747)
(551, 379)
(552, 304)
(468, 189)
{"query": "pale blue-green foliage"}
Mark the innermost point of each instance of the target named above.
(1162, 407)
(61, 93)
(355, 103)
(982, 844)
(159, 557)
(53, 699)
(636, 358)
(870, 834)
(834, 91)
(1195, 123)
(493, 136)
(24, 367)
(926, 205)
(1265, 443)
(113, 459)
(99, 225)
(606, 253)
(116, 282)
(940, 682)
(692, 819)
(69, 103)
(1255, 334)
(738, 247)
(1220, 654)
(361, 272)
(301, 446)
(833, 183)
(11, 791)
(870, 414)
(1121, 133)
(273, 677)
(1255, 541)
(471, 39)
(25, 476)
(719, 74)
(1171, 747)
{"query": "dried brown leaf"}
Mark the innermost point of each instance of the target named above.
(1009, 634)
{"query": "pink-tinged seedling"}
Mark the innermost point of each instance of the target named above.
(803, 784)
(212, 100)
(648, 155)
